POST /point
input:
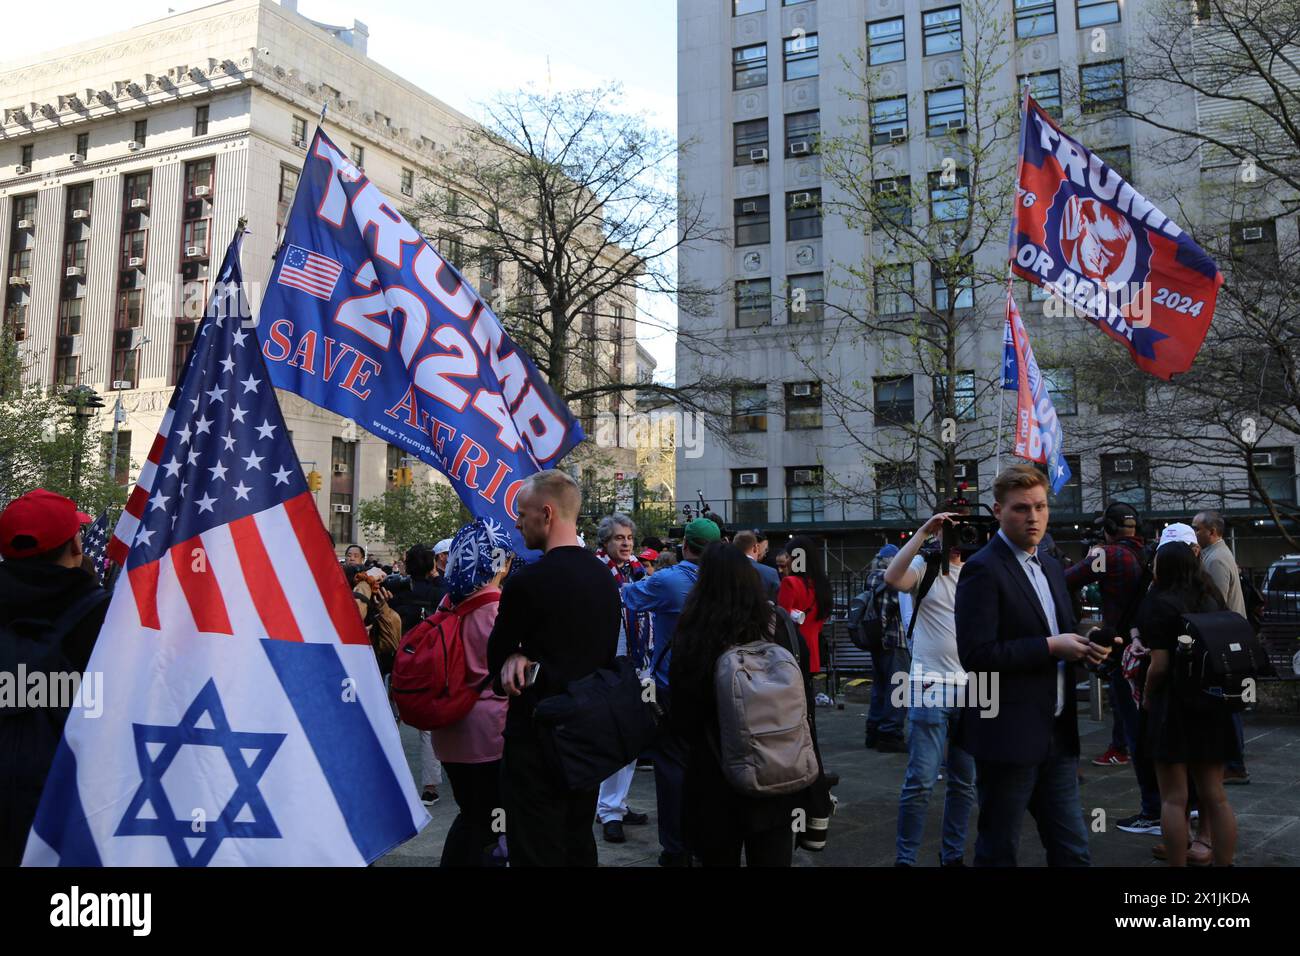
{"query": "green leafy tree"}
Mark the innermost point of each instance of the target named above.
(421, 514)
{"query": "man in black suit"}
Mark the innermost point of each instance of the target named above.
(1014, 623)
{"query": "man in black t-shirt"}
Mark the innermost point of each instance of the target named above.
(562, 614)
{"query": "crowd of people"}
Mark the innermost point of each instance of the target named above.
(681, 612)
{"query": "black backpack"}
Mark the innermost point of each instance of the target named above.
(867, 614)
(1224, 656)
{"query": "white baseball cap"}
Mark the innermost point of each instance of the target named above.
(1178, 532)
(443, 546)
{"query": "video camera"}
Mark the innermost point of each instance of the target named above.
(967, 533)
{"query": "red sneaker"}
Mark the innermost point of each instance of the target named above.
(1111, 758)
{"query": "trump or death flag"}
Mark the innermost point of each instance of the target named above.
(1038, 430)
(362, 316)
(1082, 231)
(244, 719)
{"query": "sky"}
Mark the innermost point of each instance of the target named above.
(499, 45)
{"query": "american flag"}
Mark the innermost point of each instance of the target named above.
(310, 271)
(233, 645)
(94, 543)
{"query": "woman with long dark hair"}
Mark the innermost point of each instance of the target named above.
(726, 607)
(805, 594)
(1182, 740)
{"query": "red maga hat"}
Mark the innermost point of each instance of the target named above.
(649, 554)
(47, 519)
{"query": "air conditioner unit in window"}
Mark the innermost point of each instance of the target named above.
(193, 251)
(340, 468)
(888, 186)
(955, 124)
(801, 390)
(133, 146)
(748, 207)
(26, 224)
(758, 155)
(341, 509)
(802, 476)
(81, 214)
(125, 340)
(18, 280)
(21, 170)
(959, 471)
(749, 477)
(120, 384)
(66, 346)
(801, 200)
(139, 203)
(300, 144)
(1261, 459)
(1252, 233)
(76, 159)
(1122, 464)
(135, 262)
(800, 147)
(74, 272)
(896, 134)
(202, 190)
(185, 332)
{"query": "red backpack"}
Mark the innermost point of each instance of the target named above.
(430, 681)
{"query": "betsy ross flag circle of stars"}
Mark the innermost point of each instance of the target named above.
(227, 453)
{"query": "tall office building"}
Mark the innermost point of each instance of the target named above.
(125, 163)
(764, 85)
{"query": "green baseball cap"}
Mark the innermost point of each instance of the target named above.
(702, 531)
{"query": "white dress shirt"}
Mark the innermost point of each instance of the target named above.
(1038, 578)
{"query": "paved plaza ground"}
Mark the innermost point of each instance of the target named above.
(862, 831)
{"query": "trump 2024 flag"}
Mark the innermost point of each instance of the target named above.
(363, 316)
(245, 721)
(1082, 231)
(1038, 429)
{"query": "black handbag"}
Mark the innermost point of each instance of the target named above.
(600, 724)
(1223, 659)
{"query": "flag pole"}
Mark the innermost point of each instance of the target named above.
(279, 239)
(1011, 243)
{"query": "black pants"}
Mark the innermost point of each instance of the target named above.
(546, 824)
(774, 847)
(476, 788)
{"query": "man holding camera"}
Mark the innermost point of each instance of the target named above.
(1119, 567)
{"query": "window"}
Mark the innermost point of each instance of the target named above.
(888, 120)
(893, 202)
(452, 249)
(1118, 158)
(136, 186)
(20, 262)
(802, 132)
(749, 492)
(1035, 18)
(949, 196)
(895, 491)
(965, 472)
(803, 215)
(1254, 249)
(489, 274)
(83, 143)
(1061, 389)
(78, 198)
(804, 494)
(939, 290)
(1096, 12)
(749, 67)
(288, 185)
(341, 519)
(15, 322)
(753, 303)
(200, 121)
(963, 396)
(741, 7)
(945, 110)
(74, 254)
(122, 465)
(749, 136)
(1275, 468)
(1070, 498)
(805, 301)
(67, 369)
(25, 156)
(941, 30)
(894, 289)
(126, 367)
(894, 400)
(194, 235)
(885, 43)
(25, 207)
(130, 309)
(408, 182)
(358, 155)
(135, 245)
(1121, 393)
(299, 130)
(801, 56)
(141, 131)
(194, 298)
(1045, 88)
(1102, 85)
(70, 311)
(803, 405)
(749, 409)
(753, 221)
(1124, 477)
(198, 174)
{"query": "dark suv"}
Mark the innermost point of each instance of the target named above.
(1282, 590)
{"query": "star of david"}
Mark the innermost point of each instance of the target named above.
(249, 754)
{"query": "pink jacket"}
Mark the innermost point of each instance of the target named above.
(477, 737)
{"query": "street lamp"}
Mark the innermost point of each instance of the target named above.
(85, 403)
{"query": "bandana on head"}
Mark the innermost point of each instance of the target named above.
(473, 559)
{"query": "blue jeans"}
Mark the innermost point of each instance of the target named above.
(1239, 765)
(883, 718)
(932, 727)
(1049, 791)
(1126, 714)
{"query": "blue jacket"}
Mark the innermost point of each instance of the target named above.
(770, 578)
(663, 594)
